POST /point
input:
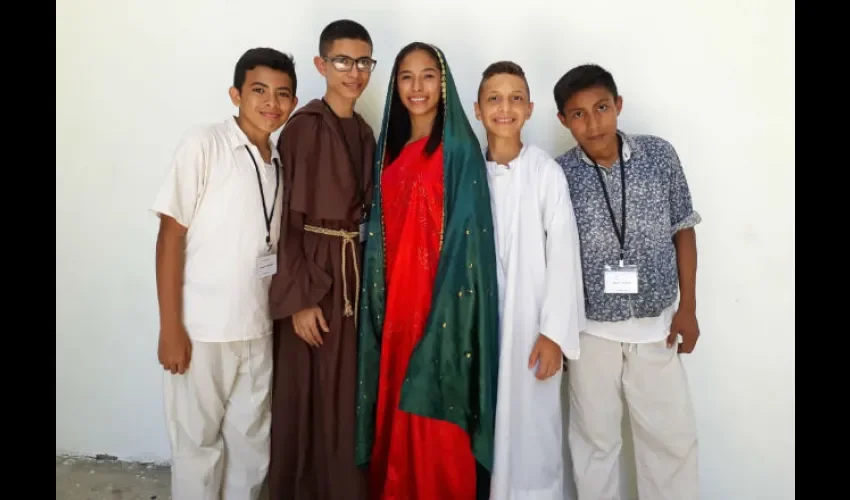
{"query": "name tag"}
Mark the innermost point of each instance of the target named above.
(267, 265)
(363, 232)
(621, 279)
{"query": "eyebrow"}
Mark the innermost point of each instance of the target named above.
(595, 104)
(348, 56)
(492, 92)
(261, 84)
(429, 68)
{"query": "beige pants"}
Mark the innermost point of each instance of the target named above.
(655, 386)
(218, 416)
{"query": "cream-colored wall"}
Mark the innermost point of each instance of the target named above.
(714, 78)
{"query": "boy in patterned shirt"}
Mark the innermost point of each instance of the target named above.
(638, 249)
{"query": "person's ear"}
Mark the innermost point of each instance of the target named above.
(320, 65)
(563, 120)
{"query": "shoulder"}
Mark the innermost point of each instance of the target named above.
(537, 154)
(303, 124)
(304, 117)
(568, 160)
(543, 162)
(199, 143)
(653, 146)
(204, 136)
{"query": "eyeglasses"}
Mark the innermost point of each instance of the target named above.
(345, 63)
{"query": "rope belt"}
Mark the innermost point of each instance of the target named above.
(348, 239)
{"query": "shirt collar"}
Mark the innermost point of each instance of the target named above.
(496, 168)
(629, 147)
(238, 139)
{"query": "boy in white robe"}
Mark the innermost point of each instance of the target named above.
(541, 300)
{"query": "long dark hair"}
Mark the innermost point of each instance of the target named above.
(398, 126)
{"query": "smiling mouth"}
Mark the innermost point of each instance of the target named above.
(352, 86)
(504, 120)
(417, 100)
(271, 116)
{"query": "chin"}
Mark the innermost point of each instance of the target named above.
(593, 152)
(504, 130)
(349, 92)
(262, 125)
(270, 127)
(421, 110)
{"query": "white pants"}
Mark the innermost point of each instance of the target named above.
(655, 386)
(218, 416)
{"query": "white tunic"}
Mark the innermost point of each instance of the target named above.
(540, 291)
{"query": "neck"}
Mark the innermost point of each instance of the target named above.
(503, 150)
(257, 137)
(421, 125)
(609, 154)
(342, 107)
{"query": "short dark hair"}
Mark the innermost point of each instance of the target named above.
(339, 30)
(263, 56)
(581, 78)
(502, 68)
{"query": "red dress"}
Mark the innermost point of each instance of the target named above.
(413, 458)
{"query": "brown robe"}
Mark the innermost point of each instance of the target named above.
(313, 392)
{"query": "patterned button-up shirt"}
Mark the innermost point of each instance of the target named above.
(658, 204)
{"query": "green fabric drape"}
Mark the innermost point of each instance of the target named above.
(452, 373)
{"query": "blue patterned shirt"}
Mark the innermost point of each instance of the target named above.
(658, 204)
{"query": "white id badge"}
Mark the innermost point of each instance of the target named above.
(363, 233)
(621, 279)
(267, 265)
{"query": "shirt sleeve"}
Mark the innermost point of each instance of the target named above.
(563, 314)
(682, 213)
(300, 282)
(179, 194)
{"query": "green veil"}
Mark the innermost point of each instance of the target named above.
(452, 374)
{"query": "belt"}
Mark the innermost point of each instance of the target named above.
(348, 239)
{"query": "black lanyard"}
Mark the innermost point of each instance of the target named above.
(266, 215)
(621, 233)
(358, 164)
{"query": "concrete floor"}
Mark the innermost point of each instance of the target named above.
(105, 478)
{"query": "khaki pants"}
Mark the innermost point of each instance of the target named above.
(218, 416)
(655, 386)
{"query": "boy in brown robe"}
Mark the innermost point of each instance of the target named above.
(326, 151)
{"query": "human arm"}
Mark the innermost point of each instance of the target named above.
(175, 205)
(683, 218)
(293, 289)
(685, 320)
(175, 349)
(300, 284)
(562, 316)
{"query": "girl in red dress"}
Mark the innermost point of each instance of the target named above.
(414, 457)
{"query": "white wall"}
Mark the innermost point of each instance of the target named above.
(715, 78)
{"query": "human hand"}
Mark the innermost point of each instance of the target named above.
(307, 324)
(549, 356)
(685, 324)
(175, 349)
